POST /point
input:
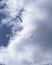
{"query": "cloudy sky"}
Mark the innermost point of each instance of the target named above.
(25, 32)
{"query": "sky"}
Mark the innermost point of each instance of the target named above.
(25, 32)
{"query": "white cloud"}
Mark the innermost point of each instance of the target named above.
(22, 49)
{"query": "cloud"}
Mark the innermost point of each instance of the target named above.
(22, 49)
(43, 32)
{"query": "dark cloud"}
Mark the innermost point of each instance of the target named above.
(3, 6)
(2, 64)
(2, 16)
(4, 31)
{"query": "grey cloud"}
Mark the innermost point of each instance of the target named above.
(43, 33)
